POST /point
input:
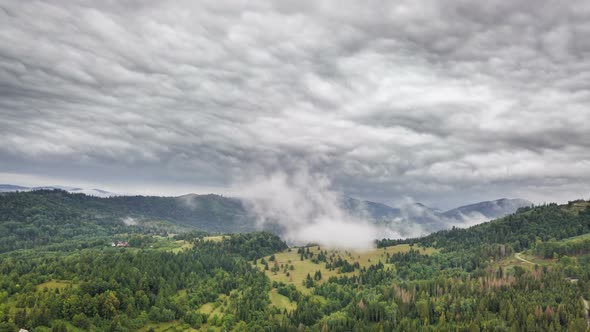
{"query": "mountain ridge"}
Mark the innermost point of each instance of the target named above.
(492, 209)
(220, 214)
(74, 190)
(231, 213)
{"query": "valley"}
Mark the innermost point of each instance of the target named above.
(527, 271)
(294, 166)
(82, 216)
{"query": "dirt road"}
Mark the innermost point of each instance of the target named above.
(517, 255)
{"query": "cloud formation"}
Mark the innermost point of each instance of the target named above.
(446, 102)
(306, 210)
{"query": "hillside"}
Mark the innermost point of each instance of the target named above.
(211, 213)
(208, 212)
(519, 230)
(72, 190)
(488, 209)
(41, 217)
(461, 279)
(433, 219)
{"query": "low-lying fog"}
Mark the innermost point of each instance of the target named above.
(308, 210)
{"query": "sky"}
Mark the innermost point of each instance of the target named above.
(442, 102)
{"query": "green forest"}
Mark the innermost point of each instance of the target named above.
(70, 265)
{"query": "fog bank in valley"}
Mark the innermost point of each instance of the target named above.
(308, 210)
(304, 208)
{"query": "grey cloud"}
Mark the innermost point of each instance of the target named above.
(388, 99)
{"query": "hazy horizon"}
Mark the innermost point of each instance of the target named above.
(441, 103)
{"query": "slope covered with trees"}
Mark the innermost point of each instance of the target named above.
(471, 282)
(114, 289)
(40, 218)
(519, 230)
(43, 217)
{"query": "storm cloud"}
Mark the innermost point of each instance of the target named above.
(446, 102)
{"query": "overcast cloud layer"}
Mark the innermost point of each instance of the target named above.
(447, 102)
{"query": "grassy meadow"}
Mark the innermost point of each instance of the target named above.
(299, 269)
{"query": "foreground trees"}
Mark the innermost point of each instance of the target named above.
(122, 289)
(466, 286)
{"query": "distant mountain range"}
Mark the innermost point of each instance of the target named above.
(431, 219)
(488, 209)
(73, 190)
(215, 213)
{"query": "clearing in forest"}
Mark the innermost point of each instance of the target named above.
(53, 284)
(293, 270)
(215, 238)
(281, 301)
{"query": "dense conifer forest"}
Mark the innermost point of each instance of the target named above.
(71, 267)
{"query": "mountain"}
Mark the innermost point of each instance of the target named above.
(430, 219)
(427, 218)
(433, 220)
(71, 209)
(11, 188)
(520, 230)
(487, 210)
(373, 210)
(211, 213)
(73, 190)
(47, 217)
(414, 213)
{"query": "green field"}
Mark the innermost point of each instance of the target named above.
(216, 238)
(302, 268)
(577, 238)
(578, 206)
(55, 284)
(181, 245)
(281, 301)
(163, 243)
(214, 308)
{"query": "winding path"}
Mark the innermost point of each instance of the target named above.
(517, 255)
